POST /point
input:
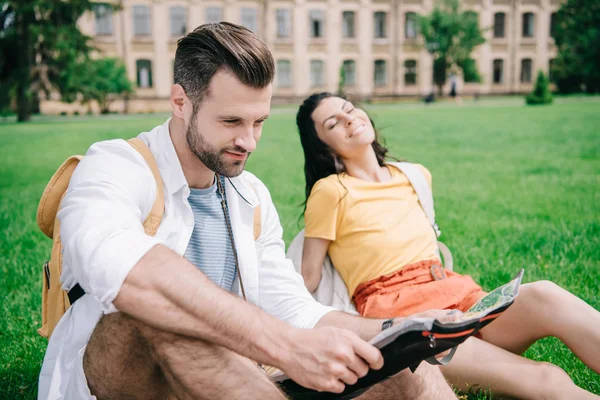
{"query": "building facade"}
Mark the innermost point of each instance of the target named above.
(376, 42)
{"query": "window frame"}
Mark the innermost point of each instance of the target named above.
(496, 25)
(412, 17)
(408, 72)
(137, 31)
(139, 65)
(382, 71)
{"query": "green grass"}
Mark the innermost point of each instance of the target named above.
(515, 187)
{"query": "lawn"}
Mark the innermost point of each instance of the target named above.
(515, 187)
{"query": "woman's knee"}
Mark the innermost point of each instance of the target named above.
(541, 292)
(552, 380)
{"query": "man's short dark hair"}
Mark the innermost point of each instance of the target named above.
(212, 47)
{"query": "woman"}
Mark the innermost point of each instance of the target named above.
(366, 216)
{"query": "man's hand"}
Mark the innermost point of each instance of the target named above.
(327, 359)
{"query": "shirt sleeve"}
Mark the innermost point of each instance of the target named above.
(282, 292)
(109, 195)
(321, 216)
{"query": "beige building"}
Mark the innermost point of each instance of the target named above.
(376, 42)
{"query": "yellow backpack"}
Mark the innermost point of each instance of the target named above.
(55, 300)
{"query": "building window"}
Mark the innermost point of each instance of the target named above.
(317, 23)
(380, 21)
(284, 73)
(316, 73)
(551, 64)
(213, 15)
(284, 23)
(528, 22)
(498, 72)
(349, 72)
(141, 20)
(178, 23)
(553, 24)
(499, 23)
(380, 76)
(526, 70)
(144, 73)
(348, 24)
(410, 25)
(103, 18)
(248, 17)
(410, 72)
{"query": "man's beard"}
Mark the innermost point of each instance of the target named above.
(213, 158)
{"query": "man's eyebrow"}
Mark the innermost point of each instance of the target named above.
(237, 118)
(333, 116)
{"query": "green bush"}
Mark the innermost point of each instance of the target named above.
(541, 92)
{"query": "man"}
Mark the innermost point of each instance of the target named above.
(179, 330)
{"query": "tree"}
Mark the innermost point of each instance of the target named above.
(541, 92)
(39, 39)
(450, 36)
(103, 80)
(577, 66)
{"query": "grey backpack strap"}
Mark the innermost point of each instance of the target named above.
(419, 183)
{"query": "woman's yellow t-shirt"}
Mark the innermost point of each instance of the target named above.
(375, 228)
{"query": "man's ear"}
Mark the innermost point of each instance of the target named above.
(178, 100)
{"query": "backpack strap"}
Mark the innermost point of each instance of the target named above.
(155, 215)
(53, 194)
(421, 186)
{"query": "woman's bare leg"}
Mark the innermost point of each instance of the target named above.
(544, 309)
(481, 365)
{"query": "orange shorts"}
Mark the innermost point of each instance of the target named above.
(413, 289)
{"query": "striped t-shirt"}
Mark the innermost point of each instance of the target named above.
(209, 248)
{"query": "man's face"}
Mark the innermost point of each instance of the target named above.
(228, 124)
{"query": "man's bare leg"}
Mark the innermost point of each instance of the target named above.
(126, 359)
(426, 383)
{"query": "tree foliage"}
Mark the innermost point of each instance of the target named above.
(450, 35)
(541, 92)
(39, 39)
(577, 66)
(103, 80)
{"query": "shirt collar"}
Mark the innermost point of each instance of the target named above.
(168, 161)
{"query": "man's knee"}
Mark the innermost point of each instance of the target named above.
(118, 361)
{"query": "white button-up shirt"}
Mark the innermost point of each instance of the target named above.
(109, 196)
